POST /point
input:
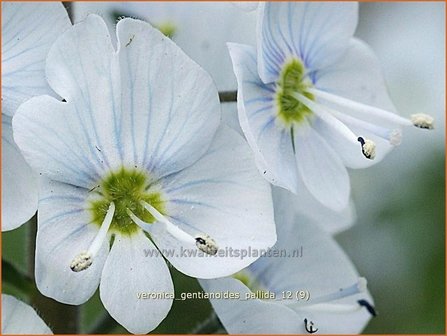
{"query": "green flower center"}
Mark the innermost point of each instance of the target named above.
(293, 81)
(167, 28)
(126, 188)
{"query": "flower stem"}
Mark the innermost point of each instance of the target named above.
(61, 318)
(211, 325)
(227, 96)
(103, 325)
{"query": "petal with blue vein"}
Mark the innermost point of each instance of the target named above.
(321, 169)
(170, 105)
(271, 144)
(130, 274)
(223, 196)
(19, 187)
(64, 231)
(28, 31)
(56, 143)
(316, 32)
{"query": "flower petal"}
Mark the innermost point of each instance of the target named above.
(20, 319)
(224, 196)
(28, 30)
(271, 144)
(171, 104)
(19, 187)
(56, 143)
(252, 316)
(64, 231)
(316, 32)
(130, 272)
(321, 170)
(289, 205)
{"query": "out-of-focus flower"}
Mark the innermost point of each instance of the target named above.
(305, 281)
(20, 319)
(135, 149)
(312, 100)
(28, 30)
(201, 29)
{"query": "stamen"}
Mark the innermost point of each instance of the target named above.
(84, 259)
(359, 287)
(394, 136)
(203, 241)
(422, 120)
(323, 114)
(206, 244)
(369, 307)
(368, 148)
(361, 108)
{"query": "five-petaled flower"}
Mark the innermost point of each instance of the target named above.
(28, 31)
(307, 282)
(312, 100)
(133, 156)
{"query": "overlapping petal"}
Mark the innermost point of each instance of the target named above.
(64, 231)
(322, 269)
(224, 196)
(317, 32)
(19, 197)
(131, 274)
(257, 115)
(321, 169)
(20, 319)
(28, 31)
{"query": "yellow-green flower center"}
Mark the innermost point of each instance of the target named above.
(126, 188)
(293, 81)
(249, 280)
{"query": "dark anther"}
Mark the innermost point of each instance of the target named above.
(361, 140)
(370, 308)
(201, 241)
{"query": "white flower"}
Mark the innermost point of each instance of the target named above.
(311, 278)
(201, 29)
(312, 100)
(28, 30)
(20, 319)
(136, 145)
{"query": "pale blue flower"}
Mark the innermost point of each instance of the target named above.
(312, 100)
(134, 149)
(311, 279)
(20, 319)
(28, 30)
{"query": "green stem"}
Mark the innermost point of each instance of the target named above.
(18, 279)
(211, 325)
(228, 96)
(104, 325)
(61, 318)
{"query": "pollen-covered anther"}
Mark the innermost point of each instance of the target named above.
(422, 120)
(368, 148)
(206, 244)
(81, 262)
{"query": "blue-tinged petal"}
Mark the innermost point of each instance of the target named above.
(316, 32)
(288, 205)
(57, 144)
(170, 105)
(64, 231)
(19, 187)
(252, 316)
(322, 269)
(134, 271)
(271, 144)
(321, 169)
(358, 77)
(223, 196)
(82, 68)
(20, 319)
(28, 31)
